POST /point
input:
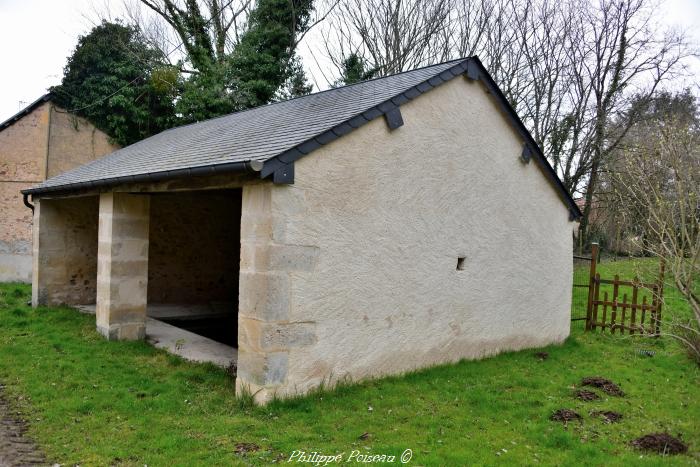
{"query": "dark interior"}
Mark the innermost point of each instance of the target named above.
(194, 260)
(216, 328)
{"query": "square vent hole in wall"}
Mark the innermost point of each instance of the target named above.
(461, 263)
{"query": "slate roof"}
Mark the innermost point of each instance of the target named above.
(276, 134)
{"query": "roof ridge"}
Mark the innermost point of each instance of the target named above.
(271, 141)
(97, 162)
(269, 104)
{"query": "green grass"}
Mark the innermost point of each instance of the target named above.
(93, 402)
(647, 271)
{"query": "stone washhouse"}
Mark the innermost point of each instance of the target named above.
(38, 142)
(366, 230)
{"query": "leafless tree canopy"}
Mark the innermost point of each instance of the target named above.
(166, 23)
(394, 35)
(656, 183)
(568, 67)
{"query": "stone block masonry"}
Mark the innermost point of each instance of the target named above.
(266, 334)
(65, 251)
(41, 144)
(122, 266)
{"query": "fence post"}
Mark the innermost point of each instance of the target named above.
(613, 312)
(662, 270)
(591, 281)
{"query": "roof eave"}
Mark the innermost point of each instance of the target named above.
(150, 177)
(385, 108)
(26, 111)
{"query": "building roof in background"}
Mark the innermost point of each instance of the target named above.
(26, 111)
(274, 135)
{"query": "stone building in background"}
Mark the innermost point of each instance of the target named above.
(39, 142)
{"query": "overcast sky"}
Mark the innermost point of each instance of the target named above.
(36, 36)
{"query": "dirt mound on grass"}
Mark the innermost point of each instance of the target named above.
(662, 443)
(586, 395)
(605, 385)
(564, 415)
(244, 448)
(608, 416)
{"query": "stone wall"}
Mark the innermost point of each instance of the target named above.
(194, 247)
(73, 142)
(23, 147)
(15, 234)
(352, 271)
(22, 164)
(65, 251)
(25, 161)
(267, 333)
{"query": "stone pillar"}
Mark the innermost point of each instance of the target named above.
(261, 299)
(48, 269)
(122, 266)
(267, 334)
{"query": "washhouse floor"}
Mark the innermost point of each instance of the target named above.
(177, 339)
(214, 321)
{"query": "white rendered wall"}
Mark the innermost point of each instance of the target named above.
(388, 213)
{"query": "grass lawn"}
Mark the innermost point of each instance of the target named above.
(93, 402)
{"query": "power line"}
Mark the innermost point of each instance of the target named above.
(99, 101)
(102, 99)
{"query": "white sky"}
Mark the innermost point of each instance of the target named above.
(36, 36)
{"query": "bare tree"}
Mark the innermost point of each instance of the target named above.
(618, 53)
(192, 33)
(392, 35)
(523, 45)
(220, 56)
(569, 68)
(657, 185)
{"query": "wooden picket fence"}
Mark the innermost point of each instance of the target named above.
(635, 312)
